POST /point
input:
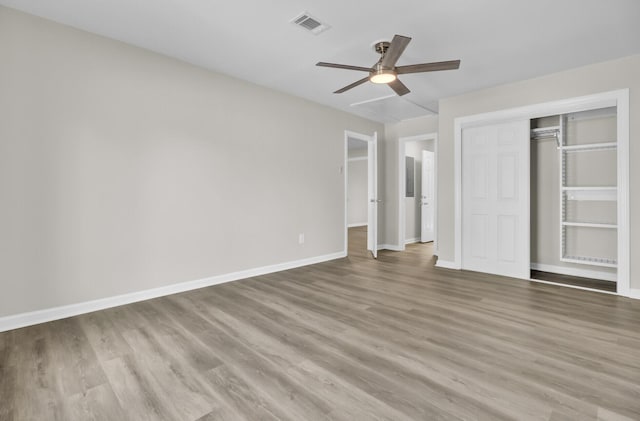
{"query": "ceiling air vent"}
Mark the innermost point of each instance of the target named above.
(311, 24)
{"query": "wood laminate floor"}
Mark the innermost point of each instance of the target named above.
(351, 339)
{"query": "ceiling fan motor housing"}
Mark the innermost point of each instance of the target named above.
(382, 74)
(381, 47)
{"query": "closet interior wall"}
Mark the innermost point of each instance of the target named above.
(573, 194)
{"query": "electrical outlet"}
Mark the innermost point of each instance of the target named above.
(301, 238)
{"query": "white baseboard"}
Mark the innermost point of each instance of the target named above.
(357, 224)
(41, 316)
(411, 240)
(584, 273)
(633, 293)
(446, 264)
(392, 247)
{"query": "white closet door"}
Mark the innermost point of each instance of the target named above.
(372, 220)
(495, 199)
(427, 200)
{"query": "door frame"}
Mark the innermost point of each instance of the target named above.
(402, 211)
(619, 99)
(345, 170)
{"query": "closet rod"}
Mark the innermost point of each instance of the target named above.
(537, 134)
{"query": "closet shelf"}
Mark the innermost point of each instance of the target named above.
(591, 114)
(590, 147)
(574, 251)
(596, 261)
(606, 194)
(589, 225)
(590, 188)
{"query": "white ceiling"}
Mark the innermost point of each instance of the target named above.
(498, 41)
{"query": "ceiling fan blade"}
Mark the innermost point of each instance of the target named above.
(428, 67)
(398, 44)
(399, 87)
(353, 85)
(343, 66)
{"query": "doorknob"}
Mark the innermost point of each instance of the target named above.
(375, 201)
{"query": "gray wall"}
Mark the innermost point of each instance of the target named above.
(601, 77)
(357, 193)
(123, 170)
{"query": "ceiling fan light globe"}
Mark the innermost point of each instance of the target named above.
(383, 76)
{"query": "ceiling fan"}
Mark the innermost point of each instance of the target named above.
(386, 71)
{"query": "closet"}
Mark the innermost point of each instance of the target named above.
(542, 192)
(574, 198)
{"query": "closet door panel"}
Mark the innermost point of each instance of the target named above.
(508, 177)
(480, 234)
(479, 192)
(480, 177)
(495, 199)
(507, 238)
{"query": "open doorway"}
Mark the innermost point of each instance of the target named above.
(357, 197)
(417, 195)
(361, 201)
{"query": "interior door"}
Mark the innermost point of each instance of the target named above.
(427, 204)
(495, 199)
(372, 219)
